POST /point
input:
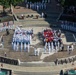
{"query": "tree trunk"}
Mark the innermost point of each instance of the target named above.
(3, 9)
(4, 12)
(11, 9)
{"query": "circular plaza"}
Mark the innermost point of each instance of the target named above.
(36, 39)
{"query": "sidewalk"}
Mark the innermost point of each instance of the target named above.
(39, 69)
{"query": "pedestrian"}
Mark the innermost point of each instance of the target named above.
(66, 61)
(62, 47)
(7, 32)
(56, 62)
(35, 51)
(69, 49)
(1, 64)
(72, 47)
(22, 16)
(37, 7)
(2, 41)
(61, 72)
(45, 15)
(61, 61)
(5, 54)
(42, 15)
(27, 6)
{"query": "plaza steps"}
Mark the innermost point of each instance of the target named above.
(38, 22)
(49, 13)
(52, 11)
(39, 19)
(36, 73)
(32, 24)
(37, 64)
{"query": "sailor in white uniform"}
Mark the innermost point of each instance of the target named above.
(25, 46)
(49, 47)
(45, 47)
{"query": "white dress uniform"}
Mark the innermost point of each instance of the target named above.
(24, 46)
(52, 46)
(27, 6)
(14, 46)
(49, 47)
(28, 46)
(17, 46)
(37, 7)
(35, 51)
(45, 47)
(72, 46)
(42, 15)
(68, 48)
(21, 46)
(58, 45)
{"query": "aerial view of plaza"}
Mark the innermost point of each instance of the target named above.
(37, 37)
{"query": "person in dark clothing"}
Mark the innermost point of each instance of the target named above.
(66, 61)
(5, 54)
(45, 15)
(62, 62)
(7, 32)
(61, 72)
(62, 47)
(56, 61)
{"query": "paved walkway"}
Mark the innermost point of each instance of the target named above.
(39, 69)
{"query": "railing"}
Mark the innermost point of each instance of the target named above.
(8, 60)
(66, 60)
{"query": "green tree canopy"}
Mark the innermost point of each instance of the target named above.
(15, 2)
(4, 3)
(7, 3)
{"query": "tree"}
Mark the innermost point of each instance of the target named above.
(14, 3)
(9, 3)
(5, 4)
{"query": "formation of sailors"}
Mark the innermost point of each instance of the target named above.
(53, 46)
(22, 39)
(68, 26)
(55, 43)
(36, 6)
